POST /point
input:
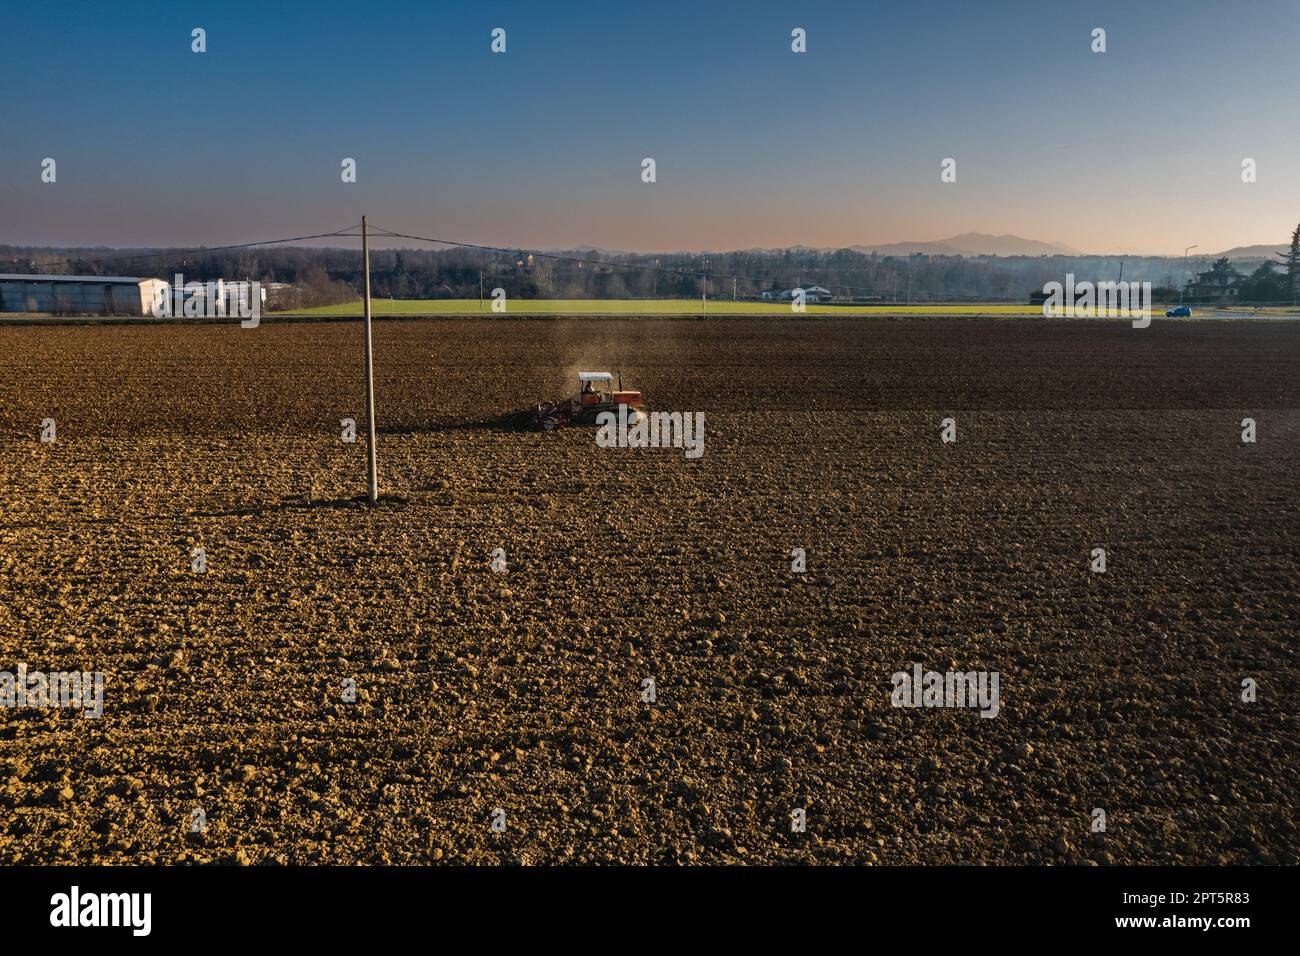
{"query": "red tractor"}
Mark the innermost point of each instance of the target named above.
(596, 394)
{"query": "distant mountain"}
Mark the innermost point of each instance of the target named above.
(1252, 252)
(974, 244)
(590, 250)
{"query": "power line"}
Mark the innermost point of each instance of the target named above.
(200, 249)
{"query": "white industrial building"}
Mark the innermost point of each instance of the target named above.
(211, 299)
(77, 295)
(129, 295)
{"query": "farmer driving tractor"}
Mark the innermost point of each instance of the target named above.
(596, 394)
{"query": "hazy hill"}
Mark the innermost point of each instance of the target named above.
(1252, 252)
(973, 244)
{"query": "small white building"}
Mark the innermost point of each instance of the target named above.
(811, 293)
(79, 295)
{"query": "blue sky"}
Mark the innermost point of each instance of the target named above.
(1138, 149)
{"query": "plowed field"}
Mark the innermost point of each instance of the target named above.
(521, 690)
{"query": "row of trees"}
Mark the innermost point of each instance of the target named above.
(323, 276)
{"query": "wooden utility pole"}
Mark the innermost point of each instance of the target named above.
(704, 288)
(371, 450)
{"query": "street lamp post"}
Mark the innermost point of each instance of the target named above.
(1183, 278)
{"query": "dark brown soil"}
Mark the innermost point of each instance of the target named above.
(522, 690)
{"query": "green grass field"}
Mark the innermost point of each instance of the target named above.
(650, 307)
(668, 307)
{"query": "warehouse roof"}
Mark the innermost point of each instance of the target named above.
(101, 280)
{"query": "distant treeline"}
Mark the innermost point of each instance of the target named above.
(325, 276)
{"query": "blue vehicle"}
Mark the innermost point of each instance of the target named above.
(1179, 312)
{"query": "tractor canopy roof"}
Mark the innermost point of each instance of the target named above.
(595, 377)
